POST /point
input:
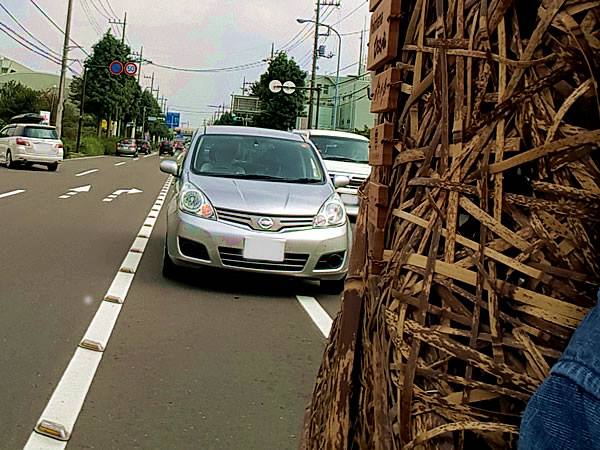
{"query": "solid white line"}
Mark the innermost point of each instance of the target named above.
(120, 164)
(39, 442)
(68, 397)
(9, 194)
(102, 325)
(139, 245)
(316, 312)
(131, 262)
(66, 402)
(119, 288)
(87, 172)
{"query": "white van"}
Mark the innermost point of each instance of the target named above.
(30, 144)
(345, 154)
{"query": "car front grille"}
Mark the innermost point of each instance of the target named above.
(233, 257)
(251, 221)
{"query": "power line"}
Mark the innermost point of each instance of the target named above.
(45, 14)
(53, 52)
(111, 8)
(354, 11)
(102, 10)
(27, 44)
(213, 70)
(86, 9)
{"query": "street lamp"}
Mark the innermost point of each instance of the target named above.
(337, 77)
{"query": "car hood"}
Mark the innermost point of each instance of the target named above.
(264, 197)
(350, 168)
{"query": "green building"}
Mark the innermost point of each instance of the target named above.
(13, 71)
(353, 104)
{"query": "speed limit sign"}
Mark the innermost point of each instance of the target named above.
(131, 68)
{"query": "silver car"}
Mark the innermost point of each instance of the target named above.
(257, 200)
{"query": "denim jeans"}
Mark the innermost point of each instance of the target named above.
(565, 411)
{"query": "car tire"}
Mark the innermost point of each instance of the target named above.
(169, 269)
(53, 167)
(333, 287)
(9, 162)
(136, 155)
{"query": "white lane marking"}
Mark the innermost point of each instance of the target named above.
(116, 194)
(120, 164)
(87, 172)
(103, 323)
(68, 397)
(131, 262)
(136, 159)
(10, 194)
(316, 312)
(74, 191)
(139, 245)
(84, 158)
(148, 156)
(119, 288)
(66, 402)
(39, 442)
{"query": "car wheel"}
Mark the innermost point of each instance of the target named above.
(9, 162)
(333, 286)
(53, 167)
(136, 155)
(169, 268)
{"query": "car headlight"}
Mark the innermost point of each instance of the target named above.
(332, 213)
(193, 201)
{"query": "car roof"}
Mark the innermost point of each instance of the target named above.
(252, 131)
(30, 125)
(331, 133)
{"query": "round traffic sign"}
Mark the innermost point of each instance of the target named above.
(116, 67)
(131, 68)
(289, 87)
(275, 86)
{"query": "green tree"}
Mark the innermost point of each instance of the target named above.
(107, 96)
(17, 99)
(226, 119)
(279, 111)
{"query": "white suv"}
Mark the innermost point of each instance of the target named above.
(30, 144)
(345, 154)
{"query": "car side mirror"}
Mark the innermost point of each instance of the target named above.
(169, 166)
(340, 181)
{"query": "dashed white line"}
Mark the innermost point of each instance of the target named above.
(55, 425)
(10, 194)
(120, 164)
(319, 316)
(87, 172)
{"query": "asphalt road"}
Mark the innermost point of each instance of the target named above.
(214, 360)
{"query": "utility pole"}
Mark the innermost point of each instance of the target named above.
(151, 83)
(63, 71)
(123, 24)
(362, 46)
(140, 66)
(81, 107)
(313, 75)
(272, 51)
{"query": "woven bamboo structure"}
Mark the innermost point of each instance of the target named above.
(477, 243)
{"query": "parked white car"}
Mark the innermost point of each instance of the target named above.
(30, 144)
(345, 154)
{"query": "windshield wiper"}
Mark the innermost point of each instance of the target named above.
(302, 180)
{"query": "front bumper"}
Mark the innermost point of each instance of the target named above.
(222, 239)
(127, 151)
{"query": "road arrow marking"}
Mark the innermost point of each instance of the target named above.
(10, 194)
(74, 191)
(116, 194)
(87, 172)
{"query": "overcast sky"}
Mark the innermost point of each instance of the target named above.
(191, 34)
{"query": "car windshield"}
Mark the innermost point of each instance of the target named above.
(257, 158)
(342, 149)
(40, 133)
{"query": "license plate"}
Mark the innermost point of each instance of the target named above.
(351, 200)
(264, 249)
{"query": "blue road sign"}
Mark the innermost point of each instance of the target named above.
(116, 67)
(173, 119)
